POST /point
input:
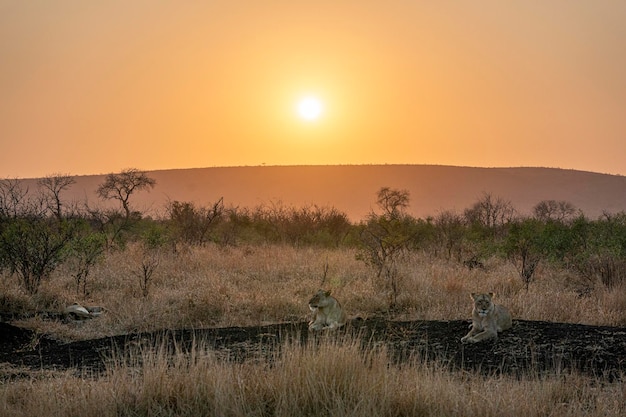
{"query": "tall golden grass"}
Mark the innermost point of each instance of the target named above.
(328, 379)
(214, 286)
(253, 285)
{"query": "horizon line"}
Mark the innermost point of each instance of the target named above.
(318, 166)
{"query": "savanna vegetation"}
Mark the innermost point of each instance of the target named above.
(222, 265)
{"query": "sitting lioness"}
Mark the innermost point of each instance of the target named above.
(327, 312)
(487, 319)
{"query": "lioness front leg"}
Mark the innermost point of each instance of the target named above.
(469, 335)
(333, 325)
(484, 335)
(317, 325)
(320, 322)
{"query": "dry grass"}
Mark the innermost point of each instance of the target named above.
(214, 286)
(330, 379)
(255, 285)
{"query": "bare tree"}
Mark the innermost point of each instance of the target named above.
(559, 211)
(148, 259)
(53, 185)
(450, 233)
(192, 225)
(490, 212)
(15, 201)
(121, 186)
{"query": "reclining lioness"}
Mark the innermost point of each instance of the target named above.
(487, 319)
(327, 312)
(79, 312)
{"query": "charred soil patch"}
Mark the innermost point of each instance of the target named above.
(530, 346)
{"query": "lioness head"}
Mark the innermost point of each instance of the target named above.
(483, 303)
(320, 299)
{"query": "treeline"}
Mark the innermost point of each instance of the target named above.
(40, 231)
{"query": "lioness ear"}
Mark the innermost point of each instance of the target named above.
(327, 293)
(473, 296)
(491, 295)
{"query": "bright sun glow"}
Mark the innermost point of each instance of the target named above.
(310, 108)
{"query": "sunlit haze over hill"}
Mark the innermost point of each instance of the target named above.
(96, 87)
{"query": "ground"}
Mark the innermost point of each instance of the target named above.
(530, 345)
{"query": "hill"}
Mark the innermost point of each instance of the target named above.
(352, 188)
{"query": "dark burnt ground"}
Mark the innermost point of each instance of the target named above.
(530, 346)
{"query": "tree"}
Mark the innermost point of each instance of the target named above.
(602, 248)
(386, 237)
(524, 247)
(111, 223)
(33, 247)
(191, 224)
(121, 186)
(490, 212)
(15, 201)
(52, 186)
(552, 210)
(146, 259)
(85, 251)
(450, 233)
(392, 202)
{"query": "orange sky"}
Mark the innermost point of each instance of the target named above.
(92, 87)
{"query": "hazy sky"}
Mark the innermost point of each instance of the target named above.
(90, 87)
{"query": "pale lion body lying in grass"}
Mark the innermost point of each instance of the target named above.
(487, 319)
(327, 312)
(78, 312)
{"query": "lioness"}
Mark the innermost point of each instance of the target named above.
(327, 312)
(77, 312)
(487, 319)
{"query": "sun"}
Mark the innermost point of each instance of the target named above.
(310, 108)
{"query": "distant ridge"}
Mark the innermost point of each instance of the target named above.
(352, 188)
